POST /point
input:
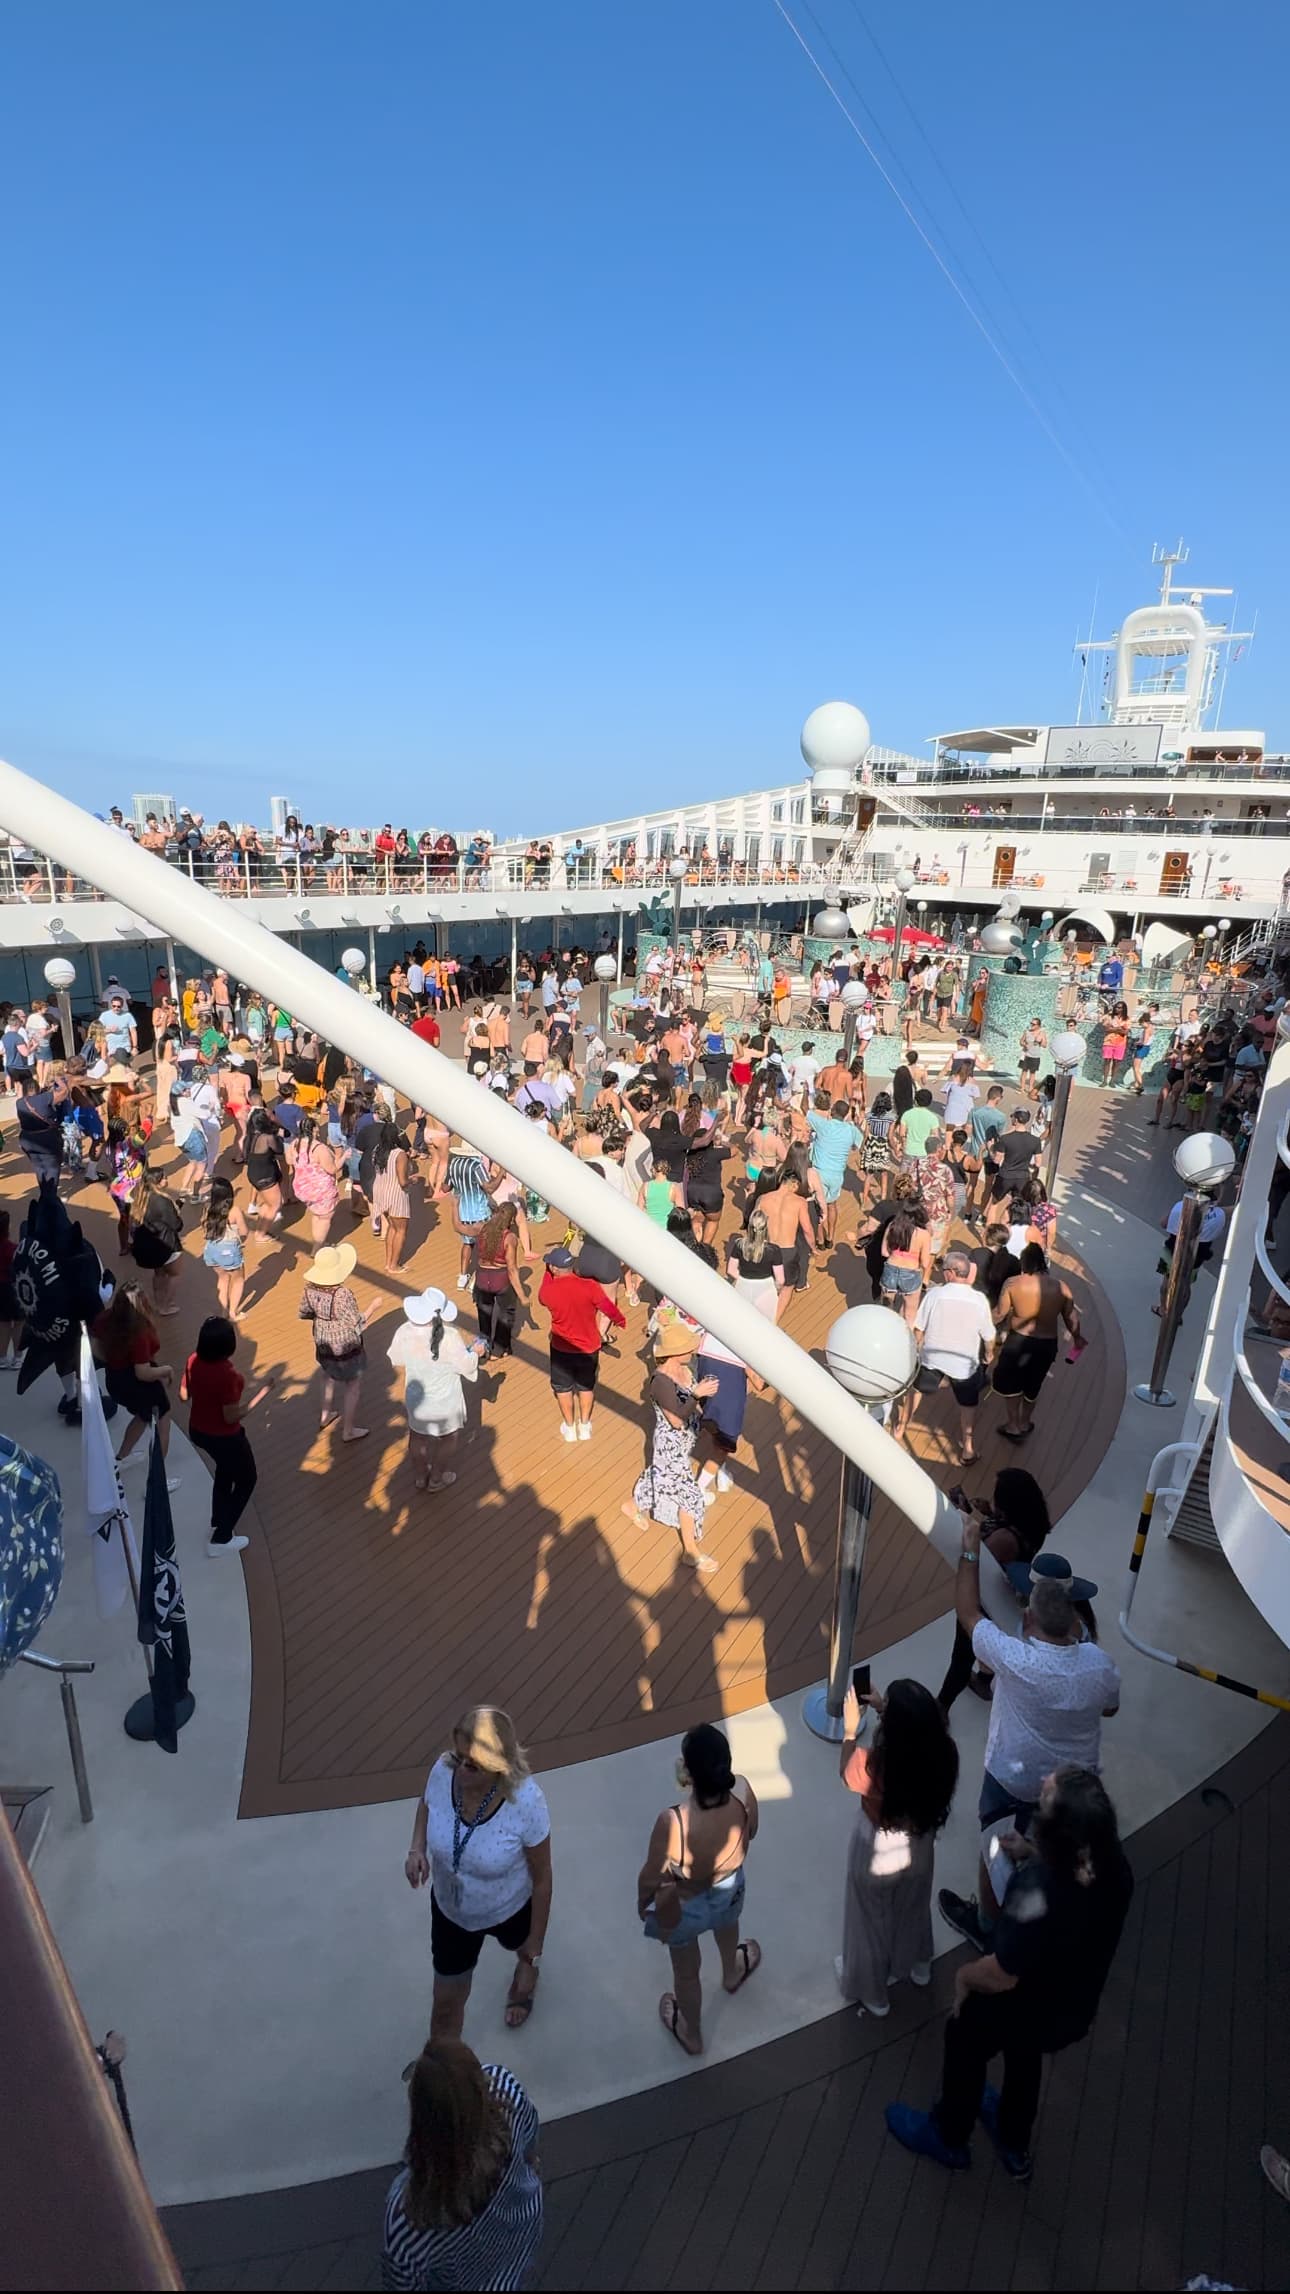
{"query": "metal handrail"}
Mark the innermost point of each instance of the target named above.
(1258, 1397)
(71, 1717)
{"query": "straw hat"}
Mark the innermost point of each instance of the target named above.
(423, 1306)
(677, 1339)
(119, 1073)
(332, 1264)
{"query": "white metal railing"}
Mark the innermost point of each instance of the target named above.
(30, 878)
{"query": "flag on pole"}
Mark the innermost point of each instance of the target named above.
(163, 1625)
(107, 1516)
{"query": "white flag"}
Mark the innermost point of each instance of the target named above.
(107, 1516)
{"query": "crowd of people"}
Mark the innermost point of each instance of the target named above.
(935, 1182)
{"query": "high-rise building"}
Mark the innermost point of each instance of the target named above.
(280, 809)
(164, 808)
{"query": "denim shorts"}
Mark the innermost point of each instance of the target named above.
(718, 1907)
(902, 1279)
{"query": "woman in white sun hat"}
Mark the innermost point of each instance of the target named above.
(434, 1359)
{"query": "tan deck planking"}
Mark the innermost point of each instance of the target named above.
(378, 1613)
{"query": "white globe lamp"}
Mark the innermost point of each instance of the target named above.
(855, 995)
(1210, 933)
(1068, 1050)
(605, 968)
(1224, 923)
(1204, 1160)
(872, 1352)
(59, 974)
(905, 880)
(678, 869)
(354, 961)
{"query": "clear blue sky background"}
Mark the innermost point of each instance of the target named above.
(507, 413)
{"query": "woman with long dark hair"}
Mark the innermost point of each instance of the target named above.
(497, 1279)
(390, 1200)
(213, 1390)
(126, 1342)
(1014, 1527)
(465, 2208)
(691, 1883)
(905, 1782)
(265, 1163)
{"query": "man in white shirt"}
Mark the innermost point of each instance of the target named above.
(417, 984)
(957, 1338)
(802, 1071)
(1053, 1688)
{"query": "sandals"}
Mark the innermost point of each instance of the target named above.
(670, 2016)
(519, 2005)
(750, 1965)
(444, 1482)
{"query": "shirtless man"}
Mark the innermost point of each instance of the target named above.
(498, 1020)
(836, 1081)
(1032, 1307)
(788, 1220)
(535, 1048)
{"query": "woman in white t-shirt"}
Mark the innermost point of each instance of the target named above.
(482, 1837)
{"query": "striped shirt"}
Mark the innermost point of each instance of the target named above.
(498, 2248)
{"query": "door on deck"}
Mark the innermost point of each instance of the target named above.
(1005, 860)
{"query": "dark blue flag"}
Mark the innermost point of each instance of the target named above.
(163, 1626)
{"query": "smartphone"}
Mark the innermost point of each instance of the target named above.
(960, 1498)
(860, 1680)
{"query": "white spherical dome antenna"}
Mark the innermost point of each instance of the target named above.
(835, 737)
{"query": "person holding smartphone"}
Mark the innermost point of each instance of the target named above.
(904, 1783)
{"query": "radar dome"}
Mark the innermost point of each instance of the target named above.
(835, 737)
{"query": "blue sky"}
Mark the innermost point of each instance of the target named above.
(511, 413)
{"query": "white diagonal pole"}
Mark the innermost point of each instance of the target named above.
(226, 932)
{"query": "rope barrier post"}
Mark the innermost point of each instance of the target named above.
(873, 1354)
(1181, 1270)
(1204, 1162)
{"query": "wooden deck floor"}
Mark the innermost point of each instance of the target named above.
(379, 1613)
(775, 2170)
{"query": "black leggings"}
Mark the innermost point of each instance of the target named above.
(959, 1672)
(235, 1478)
(496, 1312)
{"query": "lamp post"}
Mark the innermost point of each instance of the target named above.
(873, 1354)
(905, 882)
(1068, 1051)
(1203, 1162)
(60, 975)
(677, 871)
(606, 971)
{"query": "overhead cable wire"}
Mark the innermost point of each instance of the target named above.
(983, 329)
(1053, 380)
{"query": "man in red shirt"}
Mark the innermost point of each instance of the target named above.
(427, 1028)
(575, 1305)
